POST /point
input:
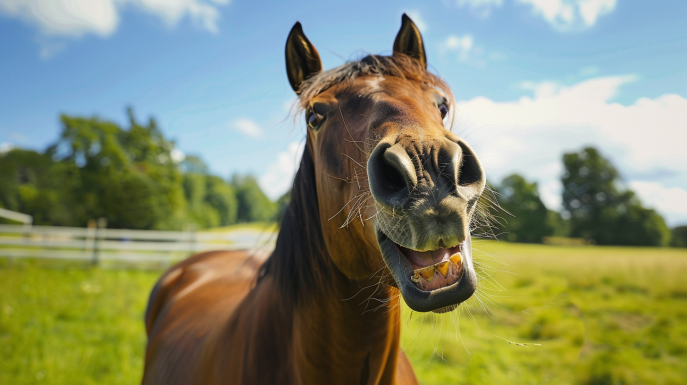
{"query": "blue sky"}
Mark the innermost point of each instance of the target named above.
(533, 78)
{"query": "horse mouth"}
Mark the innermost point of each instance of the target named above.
(429, 275)
(437, 280)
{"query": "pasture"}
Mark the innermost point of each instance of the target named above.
(582, 315)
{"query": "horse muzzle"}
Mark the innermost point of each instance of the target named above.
(426, 193)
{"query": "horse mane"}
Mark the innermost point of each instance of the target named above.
(300, 264)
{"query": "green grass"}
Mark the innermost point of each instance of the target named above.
(260, 226)
(599, 315)
(72, 325)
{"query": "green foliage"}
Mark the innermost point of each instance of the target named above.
(33, 183)
(96, 169)
(529, 218)
(128, 176)
(560, 225)
(221, 197)
(254, 205)
(212, 202)
(600, 210)
(678, 237)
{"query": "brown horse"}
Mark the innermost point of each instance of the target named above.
(382, 203)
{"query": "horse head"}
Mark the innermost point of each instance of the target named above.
(396, 189)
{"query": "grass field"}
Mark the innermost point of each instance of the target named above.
(591, 315)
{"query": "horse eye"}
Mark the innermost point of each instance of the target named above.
(314, 120)
(444, 111)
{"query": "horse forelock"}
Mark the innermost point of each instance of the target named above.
(398, 65)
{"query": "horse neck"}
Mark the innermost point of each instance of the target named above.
(341, 329)
(348, 334)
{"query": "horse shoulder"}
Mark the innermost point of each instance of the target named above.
(189, 304)
(405, 375)
(253, 346)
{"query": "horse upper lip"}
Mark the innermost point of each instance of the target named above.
(420, 259)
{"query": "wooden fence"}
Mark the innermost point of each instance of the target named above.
(100, 244)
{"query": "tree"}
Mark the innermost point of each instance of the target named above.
(128, 176)
(253, 204)
(222, 198)
(679, 236)
(212, 201)
(600, 210)
(31, 182)
(529, 218)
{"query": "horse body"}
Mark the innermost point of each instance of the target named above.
(211, 328)
(380, 208)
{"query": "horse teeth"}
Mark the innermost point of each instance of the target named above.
(442, 268)
(456, 258)
(427, 273)
(416, 277)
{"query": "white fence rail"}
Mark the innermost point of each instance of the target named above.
(100, 244)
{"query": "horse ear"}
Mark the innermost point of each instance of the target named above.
(302, 59)
(409, 41)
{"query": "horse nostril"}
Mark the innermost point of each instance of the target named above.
(470, 171)
(391, 178)
(462, 169)
(391, 174)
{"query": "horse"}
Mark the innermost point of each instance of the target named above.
(380, 208)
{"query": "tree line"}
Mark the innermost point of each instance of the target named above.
(596, 207)
(97, 169)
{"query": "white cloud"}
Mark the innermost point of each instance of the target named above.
(248, 127)
(75, 18)
(666, 200)
(464, 49)
(418, 20)
(480, 8)
(562, 15)
(570, 15)
(5, 148)
(529, 135)
(279, 176)
(459, 43)
(462, 46)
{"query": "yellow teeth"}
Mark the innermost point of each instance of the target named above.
(456, 258)
(427, 273)
(442, 268)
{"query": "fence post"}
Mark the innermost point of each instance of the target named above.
(102, 224)
(89, 240)
(192, 240)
